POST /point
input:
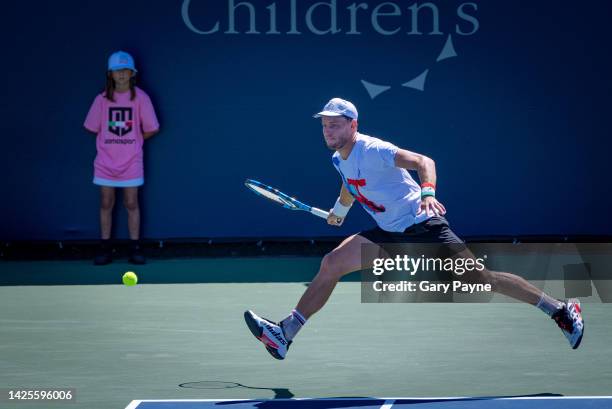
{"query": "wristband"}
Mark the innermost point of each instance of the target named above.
(428, 189)
(340, 210)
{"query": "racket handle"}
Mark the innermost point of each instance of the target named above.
(318, 212)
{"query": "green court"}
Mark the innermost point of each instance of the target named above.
(114, 344)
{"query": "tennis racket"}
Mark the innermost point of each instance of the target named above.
(283, 199)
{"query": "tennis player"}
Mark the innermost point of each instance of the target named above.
(375, 173)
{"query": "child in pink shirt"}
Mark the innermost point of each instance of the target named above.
(122, 117)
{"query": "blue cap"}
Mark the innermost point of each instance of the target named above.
(121, 60)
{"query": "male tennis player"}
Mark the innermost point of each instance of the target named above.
(375, 173)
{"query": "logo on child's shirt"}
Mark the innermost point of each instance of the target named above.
(120, 120)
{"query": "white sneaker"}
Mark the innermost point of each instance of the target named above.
(569, 319)
(269, 333)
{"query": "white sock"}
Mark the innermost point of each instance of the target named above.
(549, 305)
(292, 324)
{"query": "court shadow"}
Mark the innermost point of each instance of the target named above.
(356, 402)
(279, 393)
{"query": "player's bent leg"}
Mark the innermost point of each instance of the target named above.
(342, 260)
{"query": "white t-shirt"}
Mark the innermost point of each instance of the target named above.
(388, 193)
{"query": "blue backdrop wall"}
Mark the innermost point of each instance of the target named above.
(510, 98)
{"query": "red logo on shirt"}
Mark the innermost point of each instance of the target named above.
(356, 183)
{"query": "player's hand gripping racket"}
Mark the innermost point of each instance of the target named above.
(283, 199)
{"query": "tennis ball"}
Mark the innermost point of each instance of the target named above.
(130, 278)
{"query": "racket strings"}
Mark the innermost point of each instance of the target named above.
(270, 195)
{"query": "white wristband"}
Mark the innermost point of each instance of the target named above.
(340, 210)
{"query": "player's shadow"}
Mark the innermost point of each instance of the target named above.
(279, 393)
(356, 402)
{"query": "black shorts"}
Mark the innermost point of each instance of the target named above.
(433, 230)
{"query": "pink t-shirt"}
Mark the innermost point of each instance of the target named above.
(119, 126)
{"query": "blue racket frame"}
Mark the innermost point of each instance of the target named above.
(284, 200)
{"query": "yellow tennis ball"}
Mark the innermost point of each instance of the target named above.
(130, 278)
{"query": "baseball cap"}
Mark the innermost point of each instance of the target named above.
(120, 60)
(337, 107)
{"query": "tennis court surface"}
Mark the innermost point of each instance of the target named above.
(173, 345)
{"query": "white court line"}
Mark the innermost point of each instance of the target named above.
(133, 404)
(388, 404)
